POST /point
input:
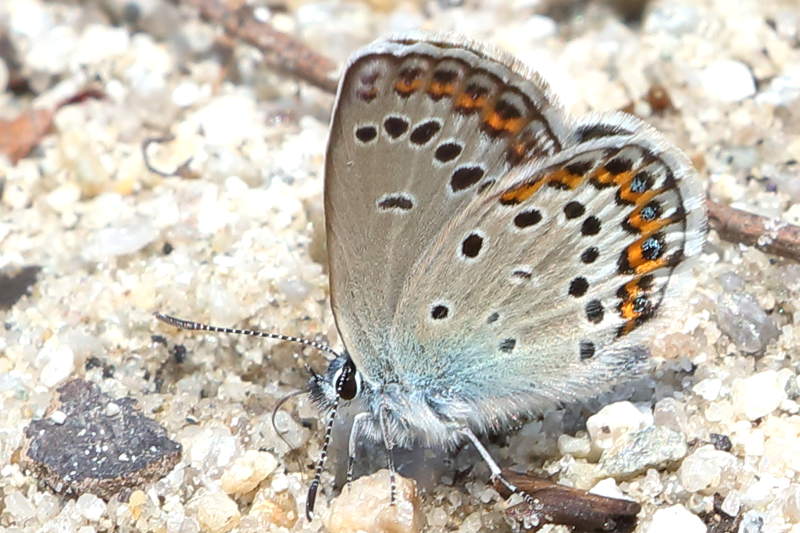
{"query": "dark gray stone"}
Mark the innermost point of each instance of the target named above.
(89, 442)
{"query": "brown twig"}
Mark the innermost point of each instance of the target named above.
(20, 135)
(558, 504)
(768, 235)
(281, 51)
(289, 55)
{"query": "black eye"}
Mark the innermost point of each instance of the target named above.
(347, 381)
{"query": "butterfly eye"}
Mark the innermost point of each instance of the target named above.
(348, 381)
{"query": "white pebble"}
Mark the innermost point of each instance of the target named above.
(365, 506)
(670, 413)
(112, 409)
(229, 119)
(758, 395)
(90, 507)
(539, 27)
(751, 440)
(782, 90)
(472, 524)
(19, 507)
(615, 421)
(210, 447)
(51, 52)
(279, 483)
(675, 518)
(120, 240)
(705, 467)
(58, 417)
(248, 471)
(762, 492)
(58, 363)
(294, 289)
(608, 487)
(792, 505)
(437, 517)
(100, 43)
(217, 513)
(728, 81)
(579, 447)
(708, 389)
(186, 94)
(732, 503)
(63, 197)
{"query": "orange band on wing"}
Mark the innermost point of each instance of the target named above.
(466, 102)
(564, 178)
(407, 87)
(498, 124)
(638, 263)
(438, 89)
(520, 193)
(647, 227)
(606, 178)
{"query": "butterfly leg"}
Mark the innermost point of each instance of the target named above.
(355, 433)
(389, 445)
(497, 474)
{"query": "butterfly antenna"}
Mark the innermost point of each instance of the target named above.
(312, 489)
(188, 324)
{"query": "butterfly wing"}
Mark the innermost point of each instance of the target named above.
(483, 250)
(419, 125)
(536, 290)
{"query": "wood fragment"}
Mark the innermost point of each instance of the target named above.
(766, 234)
(23, 133)
(281, 51)
(20, 135)
(567, 506)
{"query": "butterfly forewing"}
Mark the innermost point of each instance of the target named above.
(420, 129)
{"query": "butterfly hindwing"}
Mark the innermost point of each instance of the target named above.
(557, 268)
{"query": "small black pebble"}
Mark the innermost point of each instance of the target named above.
(721, 442)
(92, 362)
(179, 353)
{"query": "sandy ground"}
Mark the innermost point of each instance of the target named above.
(241, 242)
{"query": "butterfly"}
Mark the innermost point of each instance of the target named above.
(489, 256)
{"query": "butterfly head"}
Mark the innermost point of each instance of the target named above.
(340, 381)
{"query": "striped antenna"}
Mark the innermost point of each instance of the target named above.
(188, 324)
(311, 498)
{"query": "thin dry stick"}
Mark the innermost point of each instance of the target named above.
(768, 235)
(281, 51)
(285, 53)
(558, 504)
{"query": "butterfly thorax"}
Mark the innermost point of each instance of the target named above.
(416, 411)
